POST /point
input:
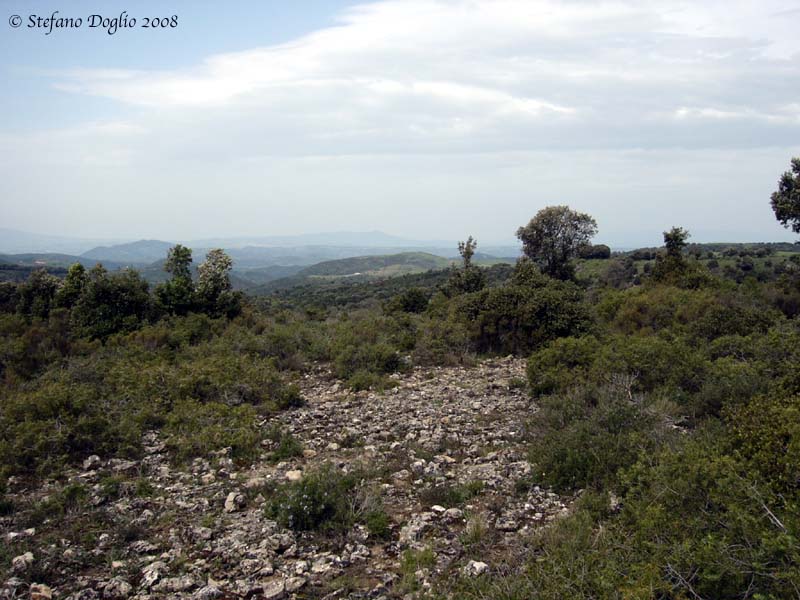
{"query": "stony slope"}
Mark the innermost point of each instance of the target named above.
(202, 533)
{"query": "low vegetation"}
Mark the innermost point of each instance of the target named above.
(666, 381)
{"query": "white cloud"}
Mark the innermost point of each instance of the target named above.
(458, 84)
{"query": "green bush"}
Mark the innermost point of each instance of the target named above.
(584, 437)
(412, 300)
(284, 443)
(561, 364)
(197, 429)
(518, 319)
(767, 434)
(320, 501)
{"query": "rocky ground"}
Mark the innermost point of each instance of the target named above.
(445, 454)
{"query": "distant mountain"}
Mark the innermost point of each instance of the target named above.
(142, 252)
(13, 241)
(51, 260)
(364, 239)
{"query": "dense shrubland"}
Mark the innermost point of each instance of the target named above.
(669, 396)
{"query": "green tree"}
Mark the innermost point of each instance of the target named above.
(214, 288)
(37, 294)
(113, 303)
(74, 283)
(672, 264)
(786, 200)
(179, 261)
(554, 237)
(177, 296)
(467, 251)
(468, 278)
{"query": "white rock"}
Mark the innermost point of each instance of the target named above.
(294, 475)
(92, 463)
(453, 514)
(476, 568)
(295, 583)
(22, 562)
(234, 502)
(274, 590)
(39, 591)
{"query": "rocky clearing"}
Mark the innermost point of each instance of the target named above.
(445, 454)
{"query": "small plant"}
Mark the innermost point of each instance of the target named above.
(112, 487)
(143, 488)
(412, 561)
(475, 532)
(318, 502)
(378, 524)
(517, 383)
(451, 495)
(286, 445)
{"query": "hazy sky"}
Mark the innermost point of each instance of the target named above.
(421, 118)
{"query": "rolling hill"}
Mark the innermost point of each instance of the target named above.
(377, 266)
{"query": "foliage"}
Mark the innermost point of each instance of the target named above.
(520, 317)
(412, 300)
(111, 303)
(585, 436)
(786, 199)
(468, 278)
(177, 296)
(554, 237)
(327, 500)
(182, 376)
(37, 295)
(595, 251)
(213, 287)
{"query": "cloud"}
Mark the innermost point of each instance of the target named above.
(469, 76)
(463, 85)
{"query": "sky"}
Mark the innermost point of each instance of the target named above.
(427, 119)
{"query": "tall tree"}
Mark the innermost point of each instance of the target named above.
(786, 200)
(468, 278)
(177, 296)
(673, 264)
(467, 251)
(73, 286)
(179, 261)
(214, 284)
(554, 237)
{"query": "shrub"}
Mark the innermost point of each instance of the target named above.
(320, 501)
(584, 437)
(517, 319)
(285, 445)
(767, 433)
(196, 429)
(412, 300)
(111, 303)
(561, 364)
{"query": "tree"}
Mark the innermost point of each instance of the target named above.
(673, 268)
(597, 251)
(177, 295)
(468, 278)
(179, 260)
(554, 237)
(37, 294)
(786, 200)
(675, 241)
(214, 288)
(74, 283)
(112, 303)
(467, 251)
